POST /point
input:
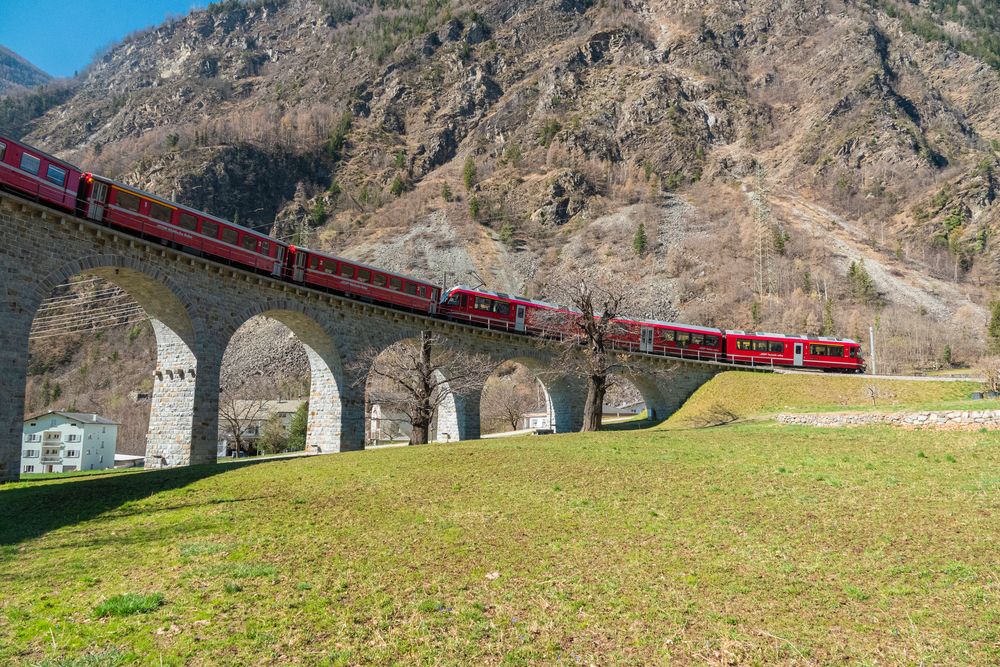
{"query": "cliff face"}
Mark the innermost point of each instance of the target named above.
(514, 141)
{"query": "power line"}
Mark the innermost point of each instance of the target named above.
(96, 312)
(88, 330)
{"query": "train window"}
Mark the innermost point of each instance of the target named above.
(229, 235)
(667, 335)
(697, 339)
(364, 275)
(502, 308)
(396, 283)
(249, 242)
(209, 228)
(160, 212)
(55, 175)
(127, 200)
(776, 346)
(744, 344)
(682, 337)
(411, 288)
(457, 300)
(330, 267)
(3, 150)
(760, 346)
(314, 261)
(346, 270)
(187, 221)
(853, 353)
(379, 280)
(712, 341)
(265, 248)
(30, 163)
(482, 303)
(826, 350)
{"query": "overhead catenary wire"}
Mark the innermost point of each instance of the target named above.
(97, 312)
(56, 334)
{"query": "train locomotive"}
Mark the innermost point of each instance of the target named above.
(36, 175)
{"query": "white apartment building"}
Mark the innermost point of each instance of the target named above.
(65, 441)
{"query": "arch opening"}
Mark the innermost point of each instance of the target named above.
(283, 388)
(421, 390)
(112, 367)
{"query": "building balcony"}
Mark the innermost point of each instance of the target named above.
(52, 459)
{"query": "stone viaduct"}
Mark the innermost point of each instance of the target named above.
(196, 305)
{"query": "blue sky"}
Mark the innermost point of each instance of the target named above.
(61, 37)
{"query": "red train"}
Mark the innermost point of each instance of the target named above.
(39, 176)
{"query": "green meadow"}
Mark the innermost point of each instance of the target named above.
(744, 544)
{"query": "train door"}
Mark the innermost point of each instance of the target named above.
(645, 339)
(98, 197)
(798, 354)
(279, 259)
(519, 317)
(299, 267)
(435, 297)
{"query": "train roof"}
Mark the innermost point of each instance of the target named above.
(764, 334)
(513, 297)
(367, 266)
(675, 325)
(47, 156)
(164, 200)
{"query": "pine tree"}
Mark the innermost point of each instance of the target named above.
(397, 186)
(446, 192)
(469, 173)
(507, 233)
(297, 428)
(639, 241)
(829, 328)
(993, 328)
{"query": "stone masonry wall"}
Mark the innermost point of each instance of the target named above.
(951, 419)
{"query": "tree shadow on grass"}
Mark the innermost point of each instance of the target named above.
(30, 510)
(631, 425)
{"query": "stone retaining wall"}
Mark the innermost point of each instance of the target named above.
(949, 419)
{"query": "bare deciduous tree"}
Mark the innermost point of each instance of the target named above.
(239, 409)
(990, 368)
(507, 398)
(587, 350)
(418, 376)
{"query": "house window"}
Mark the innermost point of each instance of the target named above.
(29, 468)
(73, 438)
(88, 452)
(31, 453)
(73, 453)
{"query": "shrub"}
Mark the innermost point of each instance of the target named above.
(397, 186)
(446, 192)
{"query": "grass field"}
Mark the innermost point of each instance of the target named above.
(749, 544)
(746, 394)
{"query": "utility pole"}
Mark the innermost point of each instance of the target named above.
(871, 347)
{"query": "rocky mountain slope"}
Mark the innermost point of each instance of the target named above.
(764, 147)
(17, 74)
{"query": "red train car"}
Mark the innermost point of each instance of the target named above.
(766, 349)
(678, 340)
(496, 310)
(143, 213)
(38, 175)
(360, 280)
